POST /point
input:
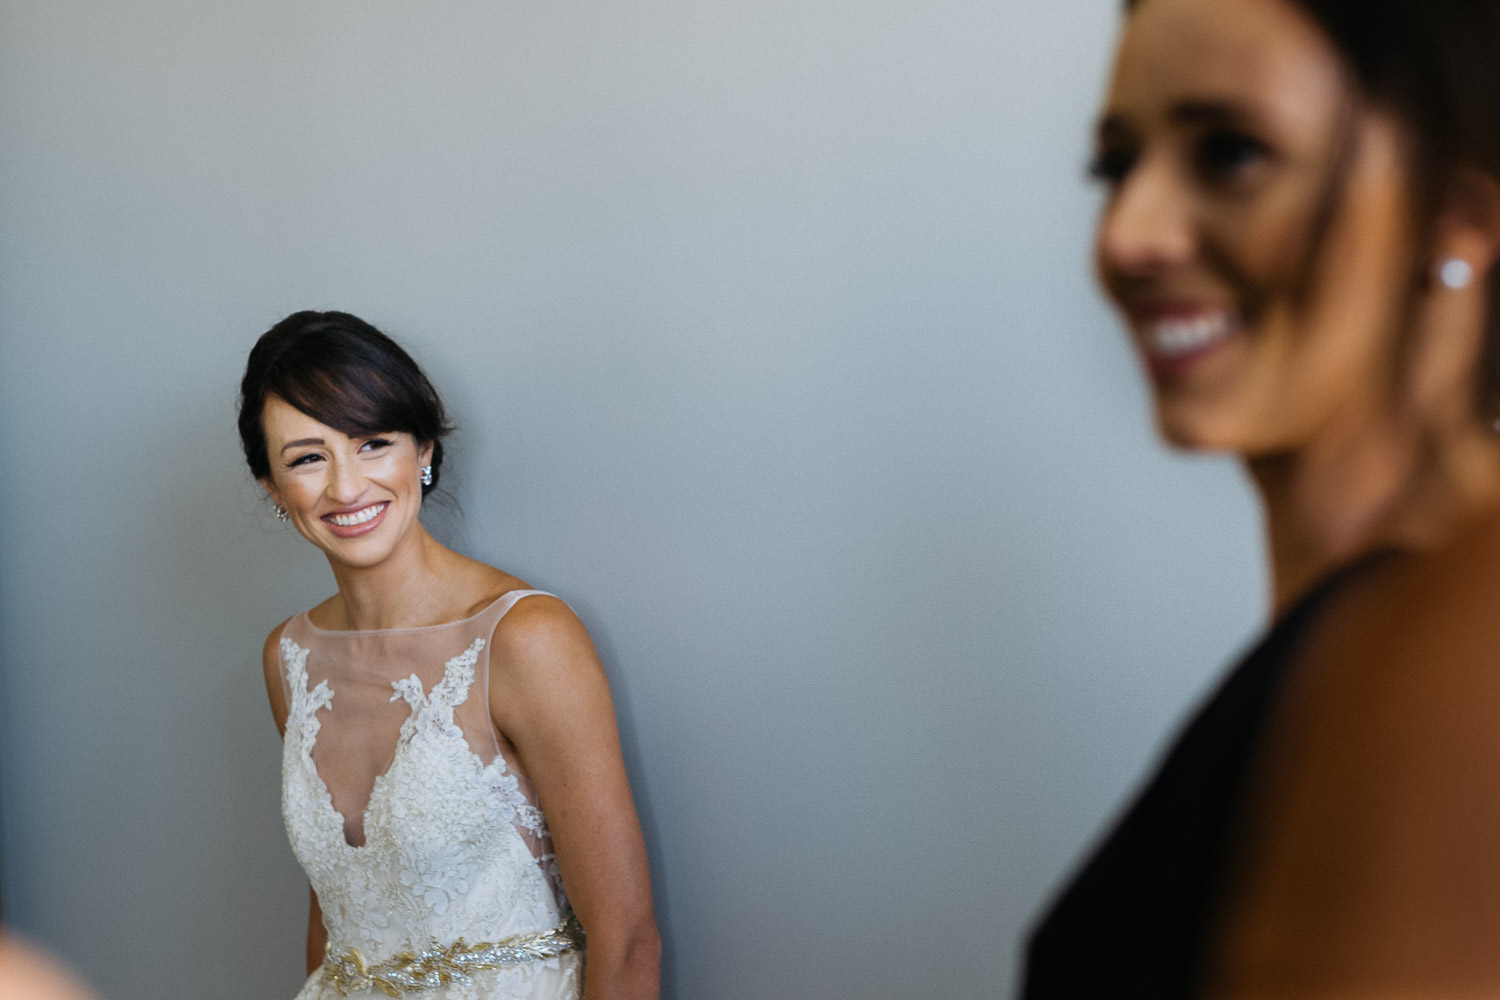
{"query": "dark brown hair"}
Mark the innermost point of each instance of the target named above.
(341, 371)
(1432, 63)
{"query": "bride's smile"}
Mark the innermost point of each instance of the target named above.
(353, 496)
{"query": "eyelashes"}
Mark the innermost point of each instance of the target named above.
(1225, 155)
(1219, 158)
(1110, 166)
(373, 444)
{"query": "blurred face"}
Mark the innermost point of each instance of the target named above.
(352, 497)
(1256, 231)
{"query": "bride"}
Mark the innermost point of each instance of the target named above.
(450, 759)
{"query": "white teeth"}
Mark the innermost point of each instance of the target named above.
(1171, 338)
(358, 517)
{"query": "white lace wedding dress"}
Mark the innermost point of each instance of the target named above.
(424, 844)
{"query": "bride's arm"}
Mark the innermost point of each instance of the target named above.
(549, 696)
(317, 936)
(270, 662)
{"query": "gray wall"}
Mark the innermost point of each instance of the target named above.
(769, 327)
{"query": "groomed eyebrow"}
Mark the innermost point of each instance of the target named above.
(300, 442)
(1115, 125)
(1213, 112)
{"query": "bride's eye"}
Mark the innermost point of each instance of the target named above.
(375, 444)
(307, 459)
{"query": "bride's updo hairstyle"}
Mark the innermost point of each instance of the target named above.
(341, 371)
(1431, 64)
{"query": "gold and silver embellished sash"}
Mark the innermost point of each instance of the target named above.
(415, 972)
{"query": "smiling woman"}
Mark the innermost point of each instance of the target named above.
(322, 466)
(451, 775)
(1300, 232)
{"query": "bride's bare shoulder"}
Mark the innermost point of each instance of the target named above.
(270, 657)
(485, 584)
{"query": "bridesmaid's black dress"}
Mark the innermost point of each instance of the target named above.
(1132, 924)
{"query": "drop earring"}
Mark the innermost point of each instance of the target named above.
(1455, 273)
(426, 475)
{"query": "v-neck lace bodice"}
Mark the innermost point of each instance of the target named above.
(412, 826)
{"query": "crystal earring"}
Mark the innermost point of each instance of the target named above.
(281, 514)
(1455, 273)
(426, 475)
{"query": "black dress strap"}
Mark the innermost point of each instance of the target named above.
(1132, 923)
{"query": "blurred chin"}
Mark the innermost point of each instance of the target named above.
(1191, 429)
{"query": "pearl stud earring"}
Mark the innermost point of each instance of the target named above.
(1455, 273)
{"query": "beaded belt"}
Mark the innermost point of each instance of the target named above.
(414, 972)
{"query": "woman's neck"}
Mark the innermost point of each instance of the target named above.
(1382, 485)
(403, 590)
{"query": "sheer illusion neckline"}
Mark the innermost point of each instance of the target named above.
(421, 703)
(313, 626)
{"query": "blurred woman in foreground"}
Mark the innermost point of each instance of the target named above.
(26, 973)
(1300, 231)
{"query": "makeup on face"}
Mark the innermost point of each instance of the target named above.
(1254, 230)
(356, 521)
(351, 495)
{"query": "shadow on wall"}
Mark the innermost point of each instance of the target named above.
(625, 717)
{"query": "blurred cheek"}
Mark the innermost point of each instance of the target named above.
(1109, 278)
(1261, 252)
(1363, 282)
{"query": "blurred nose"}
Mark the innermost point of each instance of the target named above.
(346, 484)
(1147, 226)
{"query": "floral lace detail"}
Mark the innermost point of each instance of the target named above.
(554, 878)
(514, 806)
(443, 858)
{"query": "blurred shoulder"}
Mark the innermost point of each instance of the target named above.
(26, 973)
(1377, 789)
(1427, 620)
(1421, 594)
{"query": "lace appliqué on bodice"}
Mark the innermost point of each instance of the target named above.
(443, 856)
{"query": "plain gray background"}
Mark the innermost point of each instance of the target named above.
(769, 328)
